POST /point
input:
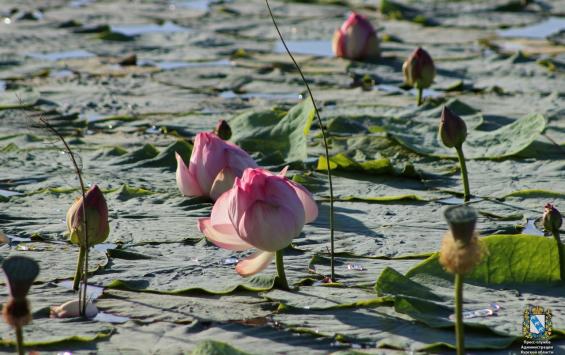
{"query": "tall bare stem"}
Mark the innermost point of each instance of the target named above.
(325, 136)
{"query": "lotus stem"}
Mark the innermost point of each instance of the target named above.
(80, 265)
(561, 251)
(282, 283)
(464, 175)
(325, 136)
(84, 279)
(419, 96)
(20, 340)
(459, 331)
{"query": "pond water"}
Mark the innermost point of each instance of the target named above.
(321, 48)
(140, 29)
(92, 292)
(8, 193)
(261, 95)
(199, 5)
(538, 31)
(56, 56)
(177, 64)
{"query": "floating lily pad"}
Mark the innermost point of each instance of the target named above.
(21, 98)
(511, 259)
(421, 135)
(277, 136)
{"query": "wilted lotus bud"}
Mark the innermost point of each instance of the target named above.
(71, 309)
(356, 39)
(96, 218)
(452, 129)
(552, 219)
(461, 249)
(419, 69)
(20, 274)
(223, 130)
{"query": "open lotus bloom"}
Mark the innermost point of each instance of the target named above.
(356, 39)
(263, 211)
(214, 165)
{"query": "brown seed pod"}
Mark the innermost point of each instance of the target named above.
(459, 258)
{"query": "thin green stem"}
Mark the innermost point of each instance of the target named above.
(419, 97)
(20, 340)
(459, 331)
(281, 281)
(561, 251)
(464, 175)
(80, 265)
(325, 137)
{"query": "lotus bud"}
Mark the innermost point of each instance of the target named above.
(452, 129)
(552, 219)
(461, 249)
(96, 218)
(419, 69)
(356, 39)
(223, 130)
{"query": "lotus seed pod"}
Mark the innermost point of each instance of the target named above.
(461, 220)
(20, 273)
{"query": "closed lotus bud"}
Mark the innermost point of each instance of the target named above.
(552, 219)
(356, 39)
(419, 69)
(223, 130)
(452, 129)
(96, 218)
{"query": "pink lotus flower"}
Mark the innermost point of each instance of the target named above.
(96, 218)
(356, 39)
(263, 211)
(214, 165)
